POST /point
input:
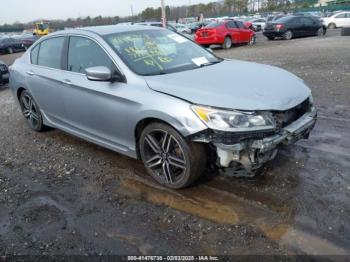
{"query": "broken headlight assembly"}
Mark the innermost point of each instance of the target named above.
(234, 121)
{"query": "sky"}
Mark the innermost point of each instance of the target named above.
(29, 10)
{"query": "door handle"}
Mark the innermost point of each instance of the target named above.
(31, 73)
(67, 82)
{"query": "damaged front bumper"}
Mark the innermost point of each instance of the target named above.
(252, 153)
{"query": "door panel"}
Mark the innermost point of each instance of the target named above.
(244, 32)
(341, 19)
(234, 31)
(95, 108)
(297, 27)
(44, 77)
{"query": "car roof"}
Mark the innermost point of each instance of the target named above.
(108, 29)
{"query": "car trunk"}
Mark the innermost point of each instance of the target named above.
(207, 32)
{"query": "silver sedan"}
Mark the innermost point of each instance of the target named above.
(152, 94)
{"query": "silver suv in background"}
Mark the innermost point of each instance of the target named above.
(152, 94)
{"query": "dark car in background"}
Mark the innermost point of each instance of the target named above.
(288, 27)
(27, 39)
(196, 26)
(4, 73)
(272, 18)
(11, 45)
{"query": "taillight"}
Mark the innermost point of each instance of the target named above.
(279, 26)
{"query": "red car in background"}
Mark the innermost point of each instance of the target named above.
(225, 33)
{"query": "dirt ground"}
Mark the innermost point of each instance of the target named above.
(61, 195)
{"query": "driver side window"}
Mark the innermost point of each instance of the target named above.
(84, 53)
(341, 16)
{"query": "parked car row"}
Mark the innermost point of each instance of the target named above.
(4, 73)
(9, 45)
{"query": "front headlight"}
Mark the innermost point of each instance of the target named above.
(311, 100)
(235, 121)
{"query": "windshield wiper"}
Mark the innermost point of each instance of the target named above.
(210, 63)
(156, 73)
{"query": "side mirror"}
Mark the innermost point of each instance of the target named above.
(99, 73)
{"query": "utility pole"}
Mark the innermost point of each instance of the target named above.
(132, 13)
(163, 13)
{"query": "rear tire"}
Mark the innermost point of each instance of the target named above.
(227, 43)
(169, 158)
(31, 112)
(270, 38)
(288, 35)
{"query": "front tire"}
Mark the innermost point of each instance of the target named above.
(31, 111)
(227, 43)
(252, 40)
(321, 31)
(332, 26)
(169, 158)
(10, 50)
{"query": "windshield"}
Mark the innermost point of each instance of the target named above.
(153, 52)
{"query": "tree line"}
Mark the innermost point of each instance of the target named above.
(214, 9)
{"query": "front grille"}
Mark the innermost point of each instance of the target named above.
(3, 68)
(285, 118)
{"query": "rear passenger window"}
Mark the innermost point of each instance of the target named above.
(240, 24)
(84, 53)
(231, 24)
(341, 16)
(50, 52)
(34, 55)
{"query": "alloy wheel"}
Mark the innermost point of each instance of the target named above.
(227, 43)
(252, 40)
(30, 111)
(164, 156)
(288, 35)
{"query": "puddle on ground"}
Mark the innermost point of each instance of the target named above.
(226, 208)
(205, 202)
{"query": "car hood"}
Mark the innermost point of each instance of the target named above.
(234, 84)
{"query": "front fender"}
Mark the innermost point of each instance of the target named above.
(183, 120)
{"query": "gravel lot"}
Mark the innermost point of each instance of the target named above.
(61, 195)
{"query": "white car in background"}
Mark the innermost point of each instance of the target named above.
(258, 24)
(341, 19)
(182, 29)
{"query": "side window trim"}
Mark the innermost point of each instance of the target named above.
(97, 43)
(37, 55)
(64, 60)
(39, 44)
